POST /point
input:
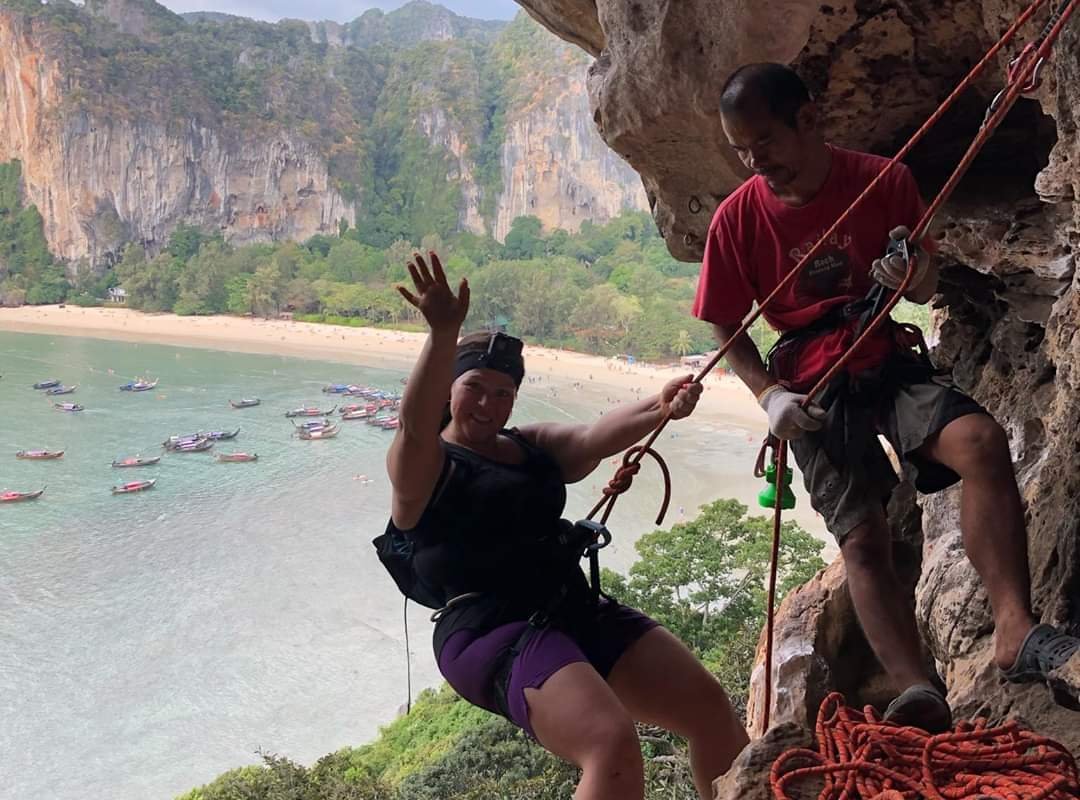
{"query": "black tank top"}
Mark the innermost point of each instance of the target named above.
(490, 527)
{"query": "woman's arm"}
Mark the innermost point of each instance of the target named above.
(415, 458)
(579, 449)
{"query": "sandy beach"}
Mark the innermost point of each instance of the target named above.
(725, 398)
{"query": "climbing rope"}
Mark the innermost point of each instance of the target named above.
(1023, 77)
(860, 756)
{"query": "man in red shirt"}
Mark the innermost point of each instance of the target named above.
(800, 187)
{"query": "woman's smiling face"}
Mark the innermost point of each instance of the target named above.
(481, 401)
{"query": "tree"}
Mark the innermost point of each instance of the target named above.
(524, 241)
(705, 580)
(683, 345)
(264, 290)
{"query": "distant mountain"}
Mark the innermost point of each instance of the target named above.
(129, 120)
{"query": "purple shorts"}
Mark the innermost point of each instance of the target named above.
(475, 663)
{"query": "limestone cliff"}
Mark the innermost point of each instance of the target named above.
(101, 180)
(129, 120)
(1009, 305)
(554, 164)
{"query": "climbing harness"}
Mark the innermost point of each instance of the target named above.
(1023, 76)
(861, 757)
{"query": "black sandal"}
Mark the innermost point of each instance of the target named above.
(921, 706)
(1043, 650)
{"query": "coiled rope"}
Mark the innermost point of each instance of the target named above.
(861, 757)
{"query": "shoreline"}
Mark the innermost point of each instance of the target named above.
(559, 377)
(724, 401)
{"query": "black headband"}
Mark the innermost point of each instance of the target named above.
(503, 355)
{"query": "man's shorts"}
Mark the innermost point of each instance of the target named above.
(486, 667)
(847, 491)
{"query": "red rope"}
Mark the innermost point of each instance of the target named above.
(860, 757)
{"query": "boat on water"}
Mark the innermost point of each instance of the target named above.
(17, 497)
(245, 402)
(389, 423)
(134, 486)
(221, 436)
(313, 434)
(359, 413)
(237, 458)
(138, 386)
(56, 390)
(173, 441)
(309, 411)
(312, 424)
(336, 388)
(136, 461)
(49, 384)
(40, 455)
(68, 407)
(196, 446)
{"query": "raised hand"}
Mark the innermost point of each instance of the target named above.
(434, 298)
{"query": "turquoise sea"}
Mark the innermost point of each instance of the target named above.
(150, 641)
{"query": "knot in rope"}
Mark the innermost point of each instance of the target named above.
(623, 478)
(861, 756)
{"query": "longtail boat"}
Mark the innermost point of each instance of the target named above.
(136, 461)
(40, 455)
(246, 402)
(360, 413)
(236, 458)
(314, 434)
(174, 441)
(221, 436)
(138, 386)
(68, 407)
(313, 424)
(49, 384)
(309, 411)
(336, 388)
(62, 390)
(197, 446)
(134, 486)
(18, 497)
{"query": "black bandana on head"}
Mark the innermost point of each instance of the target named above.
(503, 355)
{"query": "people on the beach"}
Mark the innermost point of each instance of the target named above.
(477, 519)
(800, 187)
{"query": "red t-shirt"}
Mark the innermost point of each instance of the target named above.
(755, 240)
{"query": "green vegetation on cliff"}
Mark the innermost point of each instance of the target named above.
(27, 270)
(703, 579)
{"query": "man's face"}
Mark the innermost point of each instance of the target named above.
(769, 147)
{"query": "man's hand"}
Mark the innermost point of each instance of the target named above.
(889, 270)
(787, 420)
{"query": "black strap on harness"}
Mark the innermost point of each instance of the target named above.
(584, 538)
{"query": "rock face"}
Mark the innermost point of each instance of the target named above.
(555, 166)
(310, 153)
(100, 181)
(1009, 319)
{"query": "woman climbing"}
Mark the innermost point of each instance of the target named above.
(477, 509)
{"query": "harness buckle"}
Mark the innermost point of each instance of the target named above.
(595, 533)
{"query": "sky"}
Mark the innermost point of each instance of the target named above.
(339, 10)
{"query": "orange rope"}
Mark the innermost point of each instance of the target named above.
(861, 757)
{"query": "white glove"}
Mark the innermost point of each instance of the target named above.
(889, 270)
(787, 420)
